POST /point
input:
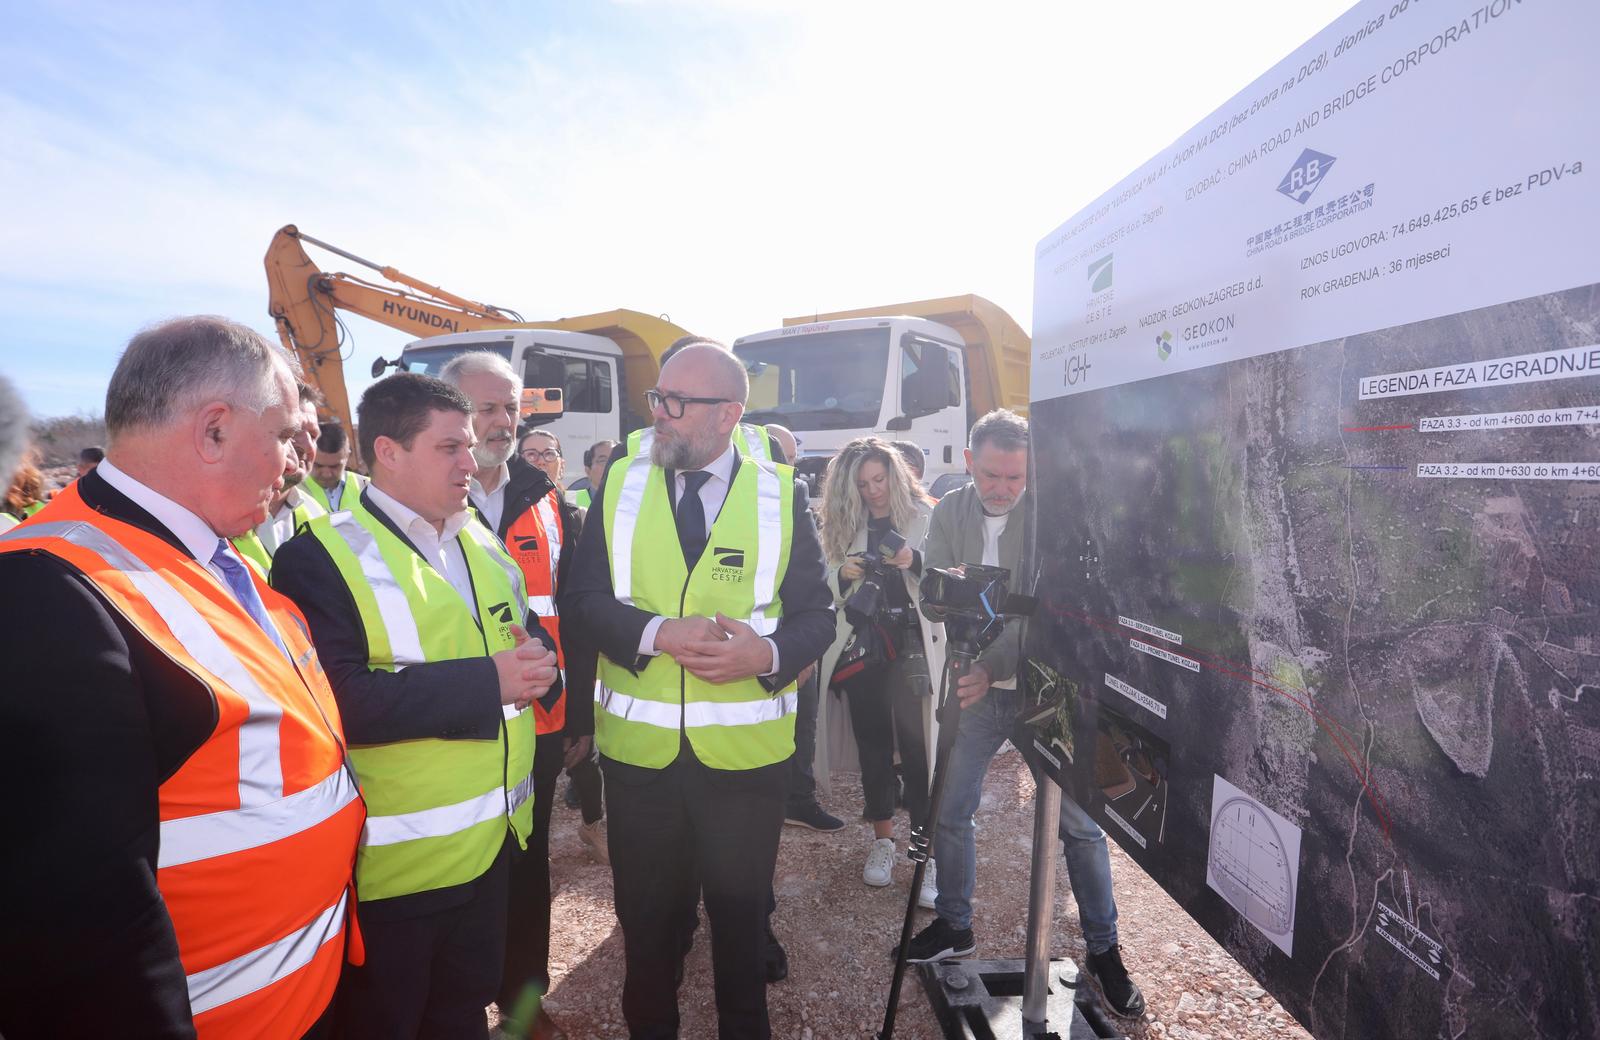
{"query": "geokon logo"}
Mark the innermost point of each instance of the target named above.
(1305, 175)
(1164, 345)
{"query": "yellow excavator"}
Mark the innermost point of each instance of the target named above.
(305, 302)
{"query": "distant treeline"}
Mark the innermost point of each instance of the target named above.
(59, 440)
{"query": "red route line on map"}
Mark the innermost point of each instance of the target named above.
(1331, 726)
(1368, 429)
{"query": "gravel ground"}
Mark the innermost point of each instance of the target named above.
(837, 931)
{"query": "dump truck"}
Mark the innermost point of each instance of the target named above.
(921, 371)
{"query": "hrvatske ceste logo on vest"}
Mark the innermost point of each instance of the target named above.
(727, 564)
(503, 614)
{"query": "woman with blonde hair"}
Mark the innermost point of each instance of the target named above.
(875, 519)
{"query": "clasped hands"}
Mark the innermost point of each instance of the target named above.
(718, 650)
(526, 671)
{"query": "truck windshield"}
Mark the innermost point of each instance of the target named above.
(820, 381)
(429, 360)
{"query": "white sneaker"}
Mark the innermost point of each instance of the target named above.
(880, 863)
(930, 885)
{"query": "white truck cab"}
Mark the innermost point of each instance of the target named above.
(586, 367)
(898, 378)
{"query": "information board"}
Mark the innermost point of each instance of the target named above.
(1316, 427)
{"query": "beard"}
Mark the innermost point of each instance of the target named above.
(492, 453)
(999, 505)
(293, 480)
(684, 451)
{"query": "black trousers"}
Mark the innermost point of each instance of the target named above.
(802, 780)
(527, 960)
(430, 975)
(675, 833)
(885, 714)
(585, 778)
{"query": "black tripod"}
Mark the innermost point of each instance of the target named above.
(957, 664)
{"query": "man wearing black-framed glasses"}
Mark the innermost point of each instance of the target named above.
(700, 581)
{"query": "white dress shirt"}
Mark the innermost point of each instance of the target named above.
(492, 504)
(442, 550)
(334, 494)
(195, 534)
(713, 493)
(279, 527)
(993, 528)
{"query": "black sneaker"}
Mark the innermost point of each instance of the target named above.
(1120, 993)
(938, 942)
(813, 816)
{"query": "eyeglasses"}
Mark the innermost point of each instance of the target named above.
(535, 455)
(673, 404)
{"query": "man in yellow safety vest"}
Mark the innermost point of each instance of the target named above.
(700, 581)
(418, 614)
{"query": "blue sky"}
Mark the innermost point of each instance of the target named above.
(727, 162)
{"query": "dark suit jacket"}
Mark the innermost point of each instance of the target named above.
(95, 719)
(446, 700)
(588, 600)
(526, 485)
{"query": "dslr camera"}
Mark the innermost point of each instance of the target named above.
(866, 602)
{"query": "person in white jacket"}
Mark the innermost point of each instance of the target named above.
(879, 662)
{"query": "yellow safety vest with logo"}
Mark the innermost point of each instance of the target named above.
(749, 441)
(252, 548)
(437, 810)
(736, 725)
(353, 483)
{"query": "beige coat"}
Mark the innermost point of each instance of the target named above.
(836, 742)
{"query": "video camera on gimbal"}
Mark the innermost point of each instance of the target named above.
(974, 603)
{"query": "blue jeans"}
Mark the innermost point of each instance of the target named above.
(984, 727)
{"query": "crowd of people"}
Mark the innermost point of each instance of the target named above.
(294, 772)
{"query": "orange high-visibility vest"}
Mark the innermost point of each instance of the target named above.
(534, 541)
(259, 826)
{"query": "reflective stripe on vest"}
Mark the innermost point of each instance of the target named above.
(228, 829)
(534, 541)
(437, 809)
(736, 725)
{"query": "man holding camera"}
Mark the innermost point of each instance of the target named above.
(983, 523)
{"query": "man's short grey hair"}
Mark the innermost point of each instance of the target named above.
(733, 381)
(477, 362)
(179, 364)
(1003, 428)
(13, 429)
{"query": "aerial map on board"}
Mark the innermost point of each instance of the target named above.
(1318, 540)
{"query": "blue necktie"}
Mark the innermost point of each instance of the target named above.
(244, 590)
(692, 517)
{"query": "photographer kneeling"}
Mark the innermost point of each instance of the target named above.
(875, 517)
(984, 523)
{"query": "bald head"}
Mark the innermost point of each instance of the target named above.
(708, 364)
(786, 441)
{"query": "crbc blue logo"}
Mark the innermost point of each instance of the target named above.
(1304, 176)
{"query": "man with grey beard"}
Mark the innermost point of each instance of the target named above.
(703, 620)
